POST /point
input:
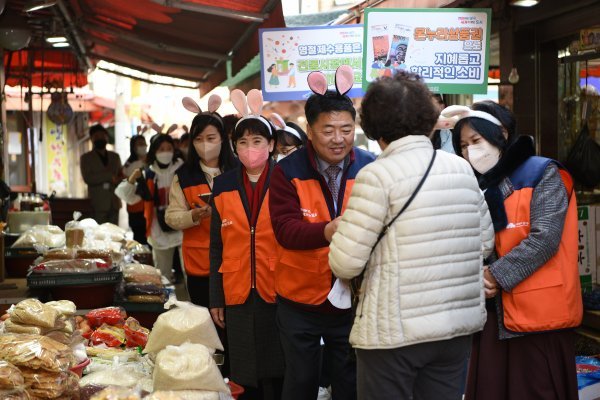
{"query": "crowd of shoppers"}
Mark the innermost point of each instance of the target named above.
(461, 256)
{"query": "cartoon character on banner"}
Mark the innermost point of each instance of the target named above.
(279, 53)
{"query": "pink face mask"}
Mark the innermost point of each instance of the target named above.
(253, 158)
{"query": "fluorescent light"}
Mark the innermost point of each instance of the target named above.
(61, 44)
(56, 39)
(524, 3)
(34, 5)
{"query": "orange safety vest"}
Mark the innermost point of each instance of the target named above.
(196, 239)
(249, 253)
(304, 276)
(550, 298)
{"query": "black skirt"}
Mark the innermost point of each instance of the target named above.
(254, 347)
(531, 367)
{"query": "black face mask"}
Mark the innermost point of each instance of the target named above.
(100, 144)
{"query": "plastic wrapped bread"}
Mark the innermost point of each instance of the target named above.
(185, 323)
(34, 312)
(36, 352)
(187, 367)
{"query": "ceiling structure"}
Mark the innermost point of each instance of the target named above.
(187, 39)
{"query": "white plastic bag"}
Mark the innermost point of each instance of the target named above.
(187, 367)
(185, 323)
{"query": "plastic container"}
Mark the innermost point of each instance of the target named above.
(18, 260)
(20, 221)
(78, 369)
(38, 280)
(85, 296)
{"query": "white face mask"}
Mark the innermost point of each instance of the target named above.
(483, 156)
(164, 157)
(141, 151)
(208, 151)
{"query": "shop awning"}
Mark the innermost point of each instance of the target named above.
(188, 39)
(56, 68)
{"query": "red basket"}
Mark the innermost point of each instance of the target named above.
(236, 390)
(78, 369)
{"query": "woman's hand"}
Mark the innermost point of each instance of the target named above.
(218, 316)
(490, 283)
(134, 176)
(201, 213)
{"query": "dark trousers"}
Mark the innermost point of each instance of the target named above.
(137, 223)
(425, 371)
(301, 333)
(197, 287)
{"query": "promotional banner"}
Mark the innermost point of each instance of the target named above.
(288, 55)
(57, 167)
(448, 48)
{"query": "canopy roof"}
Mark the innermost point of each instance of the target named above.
(188, 39)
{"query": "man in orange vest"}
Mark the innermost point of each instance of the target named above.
(309, 192)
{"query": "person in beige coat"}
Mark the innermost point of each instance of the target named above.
(101, 171)
(423, 291)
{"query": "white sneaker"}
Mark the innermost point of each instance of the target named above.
(324, 394)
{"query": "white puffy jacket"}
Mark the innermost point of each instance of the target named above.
(424, 282)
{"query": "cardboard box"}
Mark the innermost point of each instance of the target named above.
(587, 256)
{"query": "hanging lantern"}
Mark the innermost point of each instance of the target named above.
(59, 110)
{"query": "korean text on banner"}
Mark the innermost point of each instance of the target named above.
(448, 48)
(287, 56)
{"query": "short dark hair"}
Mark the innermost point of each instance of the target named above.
(397, 107)
(329, 102)
(490, 131)
(255, 127)
(97, 128)
(287, 139)
(199, 124)
(229, 121)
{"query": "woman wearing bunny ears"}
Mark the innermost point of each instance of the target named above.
(188, 209)
(154, 190)
(526, 349)
(290, 137)
(243, 254)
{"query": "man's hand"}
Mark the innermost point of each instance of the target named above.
(201, 213)
(218, 316)
(331, 228)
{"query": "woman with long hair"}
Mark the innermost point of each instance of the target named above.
(138, 149)
(154, 188)
(209, 155)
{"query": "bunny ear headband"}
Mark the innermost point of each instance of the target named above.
(344, 79)
(254, 101)
(214, 102)
(280, 124)
(463, 112)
